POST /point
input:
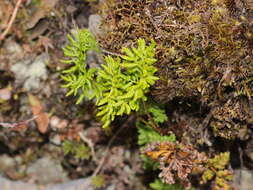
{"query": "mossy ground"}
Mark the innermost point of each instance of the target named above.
(204, 54)
(205, 65)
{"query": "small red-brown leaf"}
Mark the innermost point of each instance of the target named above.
(41, 117)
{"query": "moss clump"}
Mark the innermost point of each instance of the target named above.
(233, 119)
(216, 168)
(204, 48)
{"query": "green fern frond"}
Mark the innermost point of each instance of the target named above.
(78, 78)
(159, 185)
(148, 135)
(148, 163)
(119, 86)
(125, 81)
(157, 112)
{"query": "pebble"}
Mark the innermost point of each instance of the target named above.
(5, 94)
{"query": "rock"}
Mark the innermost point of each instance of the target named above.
(13, 48)
(74, 185)
(94, 25)
(55, 139)
(6, 163)
(82, 20)
(47, 171)
(111, 187)
(243, 179)
(30, 73)
(81, 184)
(5, 94)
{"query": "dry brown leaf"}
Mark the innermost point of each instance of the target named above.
(42, 118)
(177, 161)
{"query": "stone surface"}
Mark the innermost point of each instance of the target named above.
(94, 25)
(47, 171)
(6, 163)
(30, 73)
(243, 179)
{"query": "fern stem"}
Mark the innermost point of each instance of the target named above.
(111, 53)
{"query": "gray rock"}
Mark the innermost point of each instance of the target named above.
(6, 163)
(81, 184)
(111, 187)
(47, 171)
(94, 25)
(84, 184)
(13, 48)
(30, 72)
(243, 179)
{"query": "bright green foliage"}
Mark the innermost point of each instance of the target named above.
(149, 164)
(148, 135)
(159, 185)
(158, 114)
(77, 76)
(98, 181)
(80, 151)
(67, 147)
(119, 86)
(126, 81)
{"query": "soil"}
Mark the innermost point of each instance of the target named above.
(35, 114)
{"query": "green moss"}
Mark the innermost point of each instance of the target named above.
(79, 150)
(98, 181)
(216, 171)
(203, 47)
(159, 185)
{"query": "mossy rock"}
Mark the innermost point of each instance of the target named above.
(204, 50)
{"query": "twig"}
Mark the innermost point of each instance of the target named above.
(152, 123)
(111, 53)
(157, 129)
(90, 144)
(101, 163)
(13, 125)
(14, 14)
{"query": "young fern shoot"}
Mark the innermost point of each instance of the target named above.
(119, 86)
(79, 79)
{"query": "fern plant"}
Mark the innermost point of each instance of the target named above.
(79, 79)
(126, 80)
(121, 83)
(159, 185)
(147, 135)
(157, 112)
